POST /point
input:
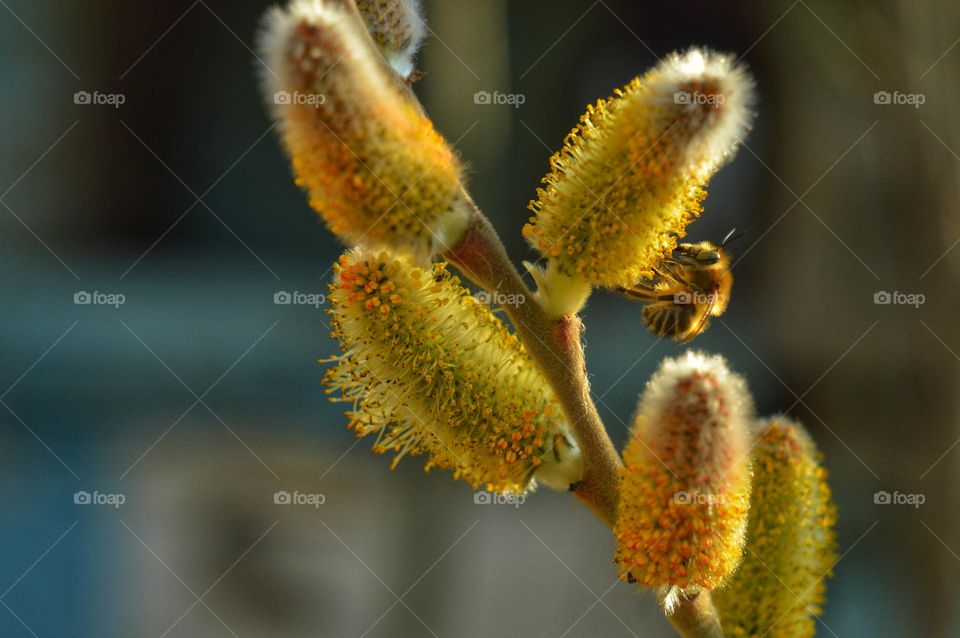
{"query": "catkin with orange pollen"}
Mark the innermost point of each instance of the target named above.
(374, 167)
(779, 589)
(632, 174)
(429, 369)
(685, 488)
(398, 28)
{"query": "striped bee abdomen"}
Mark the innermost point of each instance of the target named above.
(668, 319)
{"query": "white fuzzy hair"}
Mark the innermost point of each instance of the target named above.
(402, 60)
(279, 22)
(273, 40)
(733, 120)
(660, 392)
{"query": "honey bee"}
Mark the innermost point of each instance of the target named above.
(686, 290)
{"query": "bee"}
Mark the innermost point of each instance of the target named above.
(686, 290)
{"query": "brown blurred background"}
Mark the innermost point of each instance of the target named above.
(197, 400)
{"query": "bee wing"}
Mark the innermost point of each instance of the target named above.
(665, 284)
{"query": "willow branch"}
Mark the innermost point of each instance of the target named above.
(696, 617)
(557, 347)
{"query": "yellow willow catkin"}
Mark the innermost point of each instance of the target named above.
(374, 167)
(631, 175)
(398, 28)
(685, 488)
(791, 544)
(431, 370)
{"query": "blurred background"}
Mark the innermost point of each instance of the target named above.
(146, 433)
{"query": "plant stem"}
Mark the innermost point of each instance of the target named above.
(696, 617)
(557, 347)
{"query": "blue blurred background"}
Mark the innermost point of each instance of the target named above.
(198, 398)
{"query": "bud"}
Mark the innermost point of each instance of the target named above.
(631, 175)
(685, 489)
(791, 543)
(398, 28)
(374, 167)
(431, 370)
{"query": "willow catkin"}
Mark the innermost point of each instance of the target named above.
(398, 28)
(791, 544)
(373, 165)
(429, 369)
(632, 174)
(685, 489)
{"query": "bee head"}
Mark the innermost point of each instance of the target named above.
(700, 255)
(705, 254)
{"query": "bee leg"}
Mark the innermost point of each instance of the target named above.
(670, 274)
(642, 292)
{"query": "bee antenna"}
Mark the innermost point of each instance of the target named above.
(732, 236)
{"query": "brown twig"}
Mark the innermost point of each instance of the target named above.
(696, 617)
(557, 347)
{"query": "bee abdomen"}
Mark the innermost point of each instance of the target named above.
(667, 319)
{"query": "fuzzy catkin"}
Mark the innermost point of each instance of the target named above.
(398, 28)
(431, 370)
(791, 543)
(632, 174)
(372, 164)
(685, 489)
